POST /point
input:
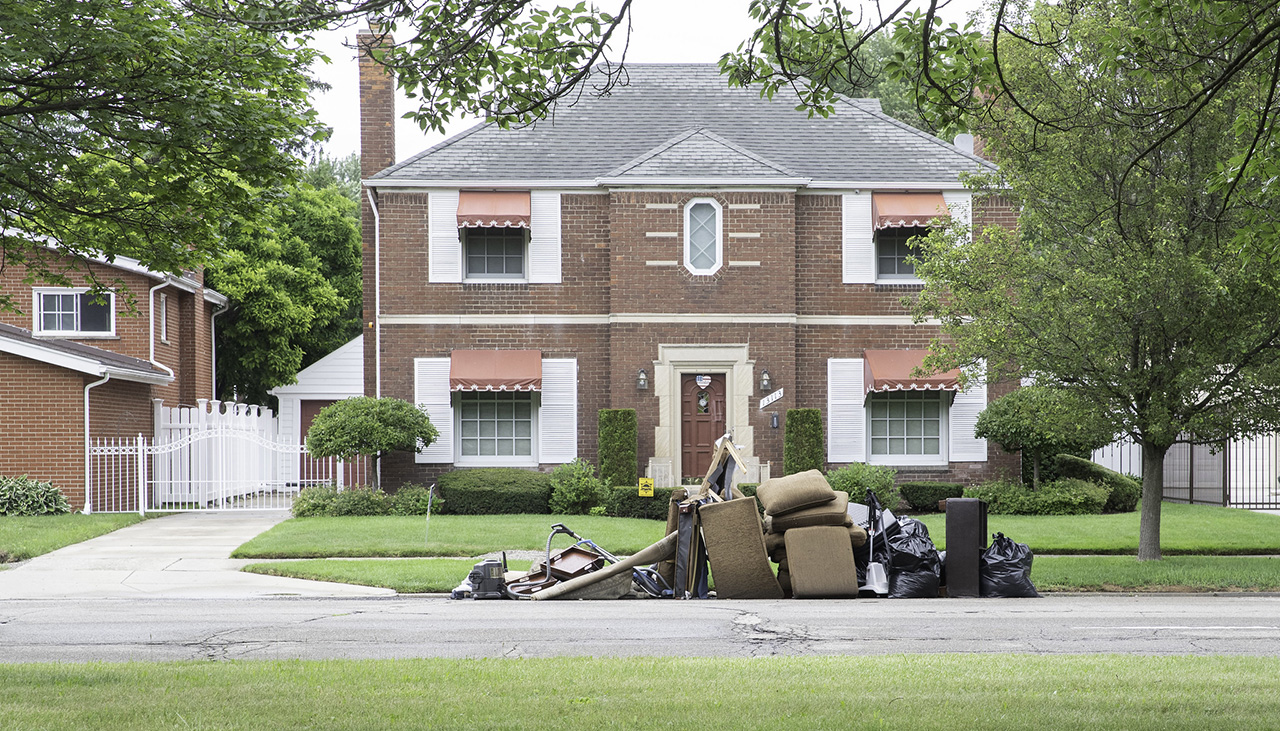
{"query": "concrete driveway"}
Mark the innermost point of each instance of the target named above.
(186, 555)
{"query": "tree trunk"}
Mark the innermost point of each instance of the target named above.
(1035, 469)
(1152, 495)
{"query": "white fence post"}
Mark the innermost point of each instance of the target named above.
(142, 475)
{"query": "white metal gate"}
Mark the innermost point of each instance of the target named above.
(211, 469)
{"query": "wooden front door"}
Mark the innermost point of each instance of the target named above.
(702, 420)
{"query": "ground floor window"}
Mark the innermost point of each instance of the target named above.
(907, 426)
(496, 424)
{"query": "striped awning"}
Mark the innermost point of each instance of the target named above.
(488, 209)
(495, 370)
(890, 370)
(904, 210)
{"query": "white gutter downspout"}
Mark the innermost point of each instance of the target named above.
(213, 349)
(376, 324)
(88, 485)
(151, 306)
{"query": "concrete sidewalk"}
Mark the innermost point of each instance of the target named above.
(183, 555)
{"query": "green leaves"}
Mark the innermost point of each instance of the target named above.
(369, 426)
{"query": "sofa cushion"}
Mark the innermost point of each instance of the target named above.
(782, 495)
(820, 563)
(831, 513)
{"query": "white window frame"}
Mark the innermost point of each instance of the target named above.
(688, 244)
(164, 318)
(882, 278)
(464, 233)
(914, 460)
(530, 460)
(37, 309)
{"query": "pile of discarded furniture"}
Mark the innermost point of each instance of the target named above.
(824, 546)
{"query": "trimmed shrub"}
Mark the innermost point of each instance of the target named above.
(857, 478)
(1061, 497)
(413, 500)
(625, 502)
(575, 489)
(925, 495)
(25, 496)
(619, 435)
(803, 447)
(362, 501)
(495, 491)
(1125, 491)
(368, 426)
(315, 501)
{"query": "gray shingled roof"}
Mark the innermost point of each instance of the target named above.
(124, 365)
(660, 107)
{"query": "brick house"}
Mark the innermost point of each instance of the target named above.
(697, 253)
(72, 363)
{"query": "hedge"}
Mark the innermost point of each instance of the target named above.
(1062, 497)
(802, 442)
(1125, 491)
(856, 478)
(924, 496)
(617, 446)
(625, 502)
(495, 491)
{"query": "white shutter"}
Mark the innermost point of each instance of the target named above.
(858, 247)
(544, 237)
(846, 411)
(558, 417)
(965, 447)
(960, 205)
(431, 394)
(444, 248)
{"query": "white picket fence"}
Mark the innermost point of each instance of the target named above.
(213, 456)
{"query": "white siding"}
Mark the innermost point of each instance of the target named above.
(544, 237)
(558, 417)
(857, 240)
(846, 412)
(444, 248)
(965, 447)
(431, 394)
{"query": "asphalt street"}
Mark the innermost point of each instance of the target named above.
(148, 628)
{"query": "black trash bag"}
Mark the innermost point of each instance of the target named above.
(914, 565)
(1004, 570)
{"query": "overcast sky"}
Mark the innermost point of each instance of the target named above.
(689, 31)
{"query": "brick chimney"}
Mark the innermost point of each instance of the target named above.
(377, 105)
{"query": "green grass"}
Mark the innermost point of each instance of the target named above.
(24, 537)
(451, 535)
(1184, 529)
(1173, 573)
(912, 691)
(406, 576)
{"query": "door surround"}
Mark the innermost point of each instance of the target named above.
(675, 361)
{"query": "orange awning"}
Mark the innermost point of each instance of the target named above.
(495, 370)
(901, 210)
(493, 210)
(890, 370)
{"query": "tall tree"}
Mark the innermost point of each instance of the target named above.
(342, 173)
(137, 128)
(1123, 282)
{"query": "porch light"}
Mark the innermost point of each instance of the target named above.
(642, 381)
(766, 383)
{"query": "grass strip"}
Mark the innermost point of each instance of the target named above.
(406, 576)
(904, 691)
(24, 537)
(1184, 530)
(451, 535)
(1173, 573)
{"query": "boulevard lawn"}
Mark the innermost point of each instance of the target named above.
(899, 691)
(405, 575)
(24, 537)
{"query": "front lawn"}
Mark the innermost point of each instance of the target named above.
(450, 535)
(23, 537)
(1184, 529)
(405, 575)
(896, 691)
(1173, 573)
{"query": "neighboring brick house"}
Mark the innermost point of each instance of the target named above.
(70, 361)
(676, 247)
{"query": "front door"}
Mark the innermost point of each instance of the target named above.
(702, 420)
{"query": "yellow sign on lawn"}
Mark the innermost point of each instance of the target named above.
(646, 487)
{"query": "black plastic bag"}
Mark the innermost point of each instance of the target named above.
(1004, 570)
(913, 564)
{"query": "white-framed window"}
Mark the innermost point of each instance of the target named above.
(893, 253)
(74, 312)
(164, 318)
(907, 427)
(703, 236)
(494, 254)
(496, 427)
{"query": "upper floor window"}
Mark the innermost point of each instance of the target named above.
(893, 252)
(74, 312)
(703, 236)
(494, 253)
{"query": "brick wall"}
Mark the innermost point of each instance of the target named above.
(42, 413)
